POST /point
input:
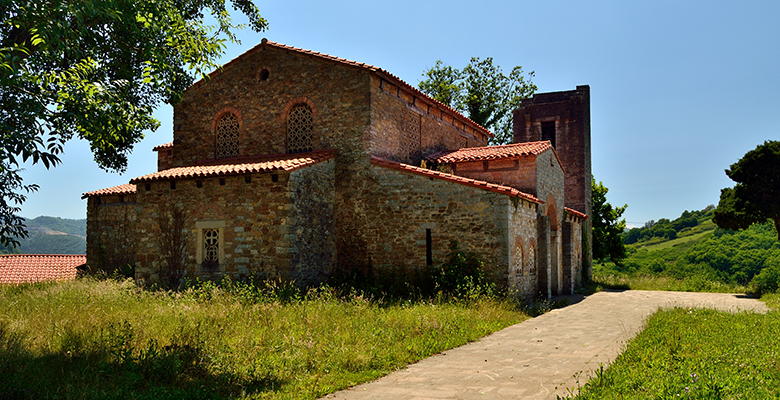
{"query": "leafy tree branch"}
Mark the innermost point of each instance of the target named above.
(97, 71)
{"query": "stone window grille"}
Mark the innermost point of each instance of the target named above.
(300, 125)
(410, 134)
(210, 248)
(227, 136)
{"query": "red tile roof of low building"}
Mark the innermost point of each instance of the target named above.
(379, 71)
(28, 268)
(509, 191)
(575, 212)
(239, 166)
(127, 188)
(513, 150)
(163, 146)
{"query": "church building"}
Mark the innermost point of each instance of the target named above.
(293, 164)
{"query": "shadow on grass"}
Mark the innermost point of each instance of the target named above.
(107, 371)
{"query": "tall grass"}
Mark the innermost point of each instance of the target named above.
(608, 280)
(91, 339)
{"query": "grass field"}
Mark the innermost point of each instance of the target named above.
(90, 339)
(608, 280)
(697, 354)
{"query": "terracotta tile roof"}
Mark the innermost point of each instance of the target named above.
(121, 189)
(239, 166)
(163, 146)
(514, 150)
(575, 212)
(379, 71)
(26, 268)
(509, 191)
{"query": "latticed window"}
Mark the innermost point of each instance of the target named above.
(227, 136)
(210, 246)
(299, 129)
(410, 134)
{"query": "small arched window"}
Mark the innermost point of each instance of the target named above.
(299, 129)
(227, 136)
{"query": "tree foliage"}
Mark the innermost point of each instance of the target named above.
(756, 195)
(481, 91)
(668, 229)
(608, 227)
(96, 70)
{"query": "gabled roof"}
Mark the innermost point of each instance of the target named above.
(514, 150)
(159, 147)
(376, 70)
(27, 268)
(575, 212)
(239, 166)
(509, 191)
(121, 189)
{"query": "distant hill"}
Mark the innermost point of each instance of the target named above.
(53, 235)
(692, 246)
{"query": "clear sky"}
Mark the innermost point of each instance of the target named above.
(679, 89)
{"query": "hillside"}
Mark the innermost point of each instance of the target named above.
(53, 235)
(692, 249)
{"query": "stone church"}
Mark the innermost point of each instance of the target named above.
(295, 164)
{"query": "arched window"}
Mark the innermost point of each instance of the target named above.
(227, 136)
(299, 129)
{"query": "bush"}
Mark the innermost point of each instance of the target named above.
(768, 280)
(462, 276)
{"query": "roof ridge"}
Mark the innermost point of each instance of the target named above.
(505, 145)
(379, 70)
(251, 159)
(42, 255)
(239, 166)
(372, 68)
(493, 187)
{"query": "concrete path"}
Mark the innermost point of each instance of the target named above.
(541, 357)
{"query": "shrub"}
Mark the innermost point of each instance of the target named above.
(462, 276)
(768, 280)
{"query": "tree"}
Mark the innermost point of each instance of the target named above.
(482, 92)
(756, 196)
(607, 226)
(96, 70)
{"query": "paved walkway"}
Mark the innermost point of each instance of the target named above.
(541, 357)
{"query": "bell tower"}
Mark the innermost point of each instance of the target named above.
(563, 118)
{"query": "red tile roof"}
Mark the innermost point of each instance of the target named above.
(575, 212)
(514, 150)
(239, 166)
(27, 268)
(163, 146)
(509, 191)
(121, 189)
(379, 71)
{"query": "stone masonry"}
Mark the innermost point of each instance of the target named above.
(293, 164)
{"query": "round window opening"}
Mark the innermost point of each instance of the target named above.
(264, 75)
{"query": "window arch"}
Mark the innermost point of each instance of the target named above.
(226, 132)
(300, 125)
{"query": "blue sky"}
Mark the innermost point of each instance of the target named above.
(679, 89)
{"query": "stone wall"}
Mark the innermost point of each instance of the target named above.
(312, 222)
(164, 158)
(404, 126)
(338, 95)
(111, 234)
(519, 173)
(522, 276)
(267, 223)
(399, 207)
(572, 253)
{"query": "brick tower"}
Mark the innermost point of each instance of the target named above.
(563, 118)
